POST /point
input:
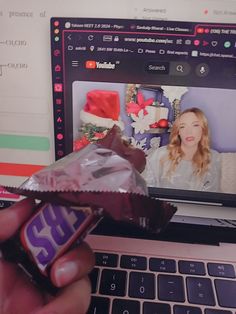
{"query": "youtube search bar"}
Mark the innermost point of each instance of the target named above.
(157, 67)
(175, 68)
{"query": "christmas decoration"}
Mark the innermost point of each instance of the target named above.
(152, 110)
(100, 113)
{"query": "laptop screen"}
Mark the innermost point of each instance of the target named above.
(169, 86)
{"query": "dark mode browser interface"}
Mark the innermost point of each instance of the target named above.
(156, 68)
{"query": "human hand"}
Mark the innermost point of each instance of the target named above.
(19, 296)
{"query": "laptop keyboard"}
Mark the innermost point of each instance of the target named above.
(126, 284)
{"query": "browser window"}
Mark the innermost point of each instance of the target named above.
(140, 75)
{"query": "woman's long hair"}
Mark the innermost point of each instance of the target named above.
(201, 158)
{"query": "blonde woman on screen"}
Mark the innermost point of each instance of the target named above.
(187, 162)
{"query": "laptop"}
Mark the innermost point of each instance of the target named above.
(142, 75)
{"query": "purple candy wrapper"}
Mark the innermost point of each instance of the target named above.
(76, 192)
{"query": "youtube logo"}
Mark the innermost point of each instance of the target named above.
(105, 65)
(90, 64)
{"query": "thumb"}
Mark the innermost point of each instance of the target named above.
(12, 217)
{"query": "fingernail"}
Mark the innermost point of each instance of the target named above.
(66, 273)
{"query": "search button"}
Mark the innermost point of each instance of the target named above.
(179, 68)
(157, 67)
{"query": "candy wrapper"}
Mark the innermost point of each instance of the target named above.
(94, 168)
(100, 180)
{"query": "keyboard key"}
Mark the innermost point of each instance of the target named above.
(133, 262)
(99, 305)
(106, 259)
(213, 311)
(113, 282)
(192, 268)
(226, 292)
(93, 276)
(170, 288)
(162, 265)
(156, 308)
(200, 291)
(221, 270)
(183, 309)
(142, 285)
(125, 306)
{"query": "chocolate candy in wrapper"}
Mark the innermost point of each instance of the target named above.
(75, 193)
(69, 217)
(90, 169)
(49, 233)
(141, 210)
(113, 140)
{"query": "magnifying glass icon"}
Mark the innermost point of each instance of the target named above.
(179, 68)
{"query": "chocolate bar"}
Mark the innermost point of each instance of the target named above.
(75, 193)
